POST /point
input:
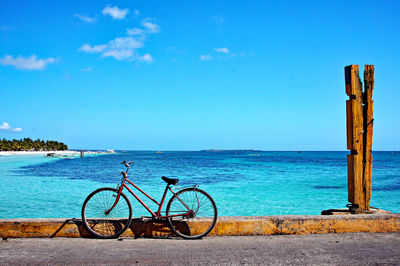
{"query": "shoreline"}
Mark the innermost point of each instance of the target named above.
(60, 153)
(66, 152)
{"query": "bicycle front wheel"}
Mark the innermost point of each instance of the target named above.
(203, 213)
(95, 214)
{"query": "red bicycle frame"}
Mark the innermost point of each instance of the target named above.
(154, 215)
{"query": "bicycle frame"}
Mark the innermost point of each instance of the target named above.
(156, 214)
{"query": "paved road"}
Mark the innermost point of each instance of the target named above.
(336, 249)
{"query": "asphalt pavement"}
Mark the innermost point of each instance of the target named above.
(323, 249)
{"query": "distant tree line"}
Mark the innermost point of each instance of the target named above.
(27, 144)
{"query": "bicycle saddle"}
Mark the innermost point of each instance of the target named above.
(170, 181)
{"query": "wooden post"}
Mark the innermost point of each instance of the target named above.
(359, 117)
(368, 130)
(354, 115)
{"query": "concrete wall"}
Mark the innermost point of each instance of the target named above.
(226, 226)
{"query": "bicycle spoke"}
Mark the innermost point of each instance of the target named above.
(94, 213)
(202, 207)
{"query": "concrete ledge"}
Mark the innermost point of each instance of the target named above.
(226, 226)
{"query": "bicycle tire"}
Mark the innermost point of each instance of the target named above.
(103, 225)
(204, 208)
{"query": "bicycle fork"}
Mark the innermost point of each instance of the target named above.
(119, 189)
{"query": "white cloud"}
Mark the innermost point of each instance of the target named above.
(206, 57)
(221, 54)
(136, 12)
(125, 43)
(86, 19)
(118, 54)
(125, 48)
(30, 63)
(87, 48)
(146, 58)
(222, 50)
(6, 127)
(135, 31)
(115, 12)
(120, 48)
(150, 26)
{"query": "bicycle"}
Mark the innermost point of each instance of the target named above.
(105, 210)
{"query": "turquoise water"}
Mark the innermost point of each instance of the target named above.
(241, 182)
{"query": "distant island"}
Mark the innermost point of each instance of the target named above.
(28, 144)
(217, 150)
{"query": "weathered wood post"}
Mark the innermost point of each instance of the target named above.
(368, 130)
(359, 116)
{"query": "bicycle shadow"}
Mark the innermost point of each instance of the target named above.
(156, 228)
(65, 228)
(138, 228)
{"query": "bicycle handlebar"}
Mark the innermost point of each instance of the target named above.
(127, 164)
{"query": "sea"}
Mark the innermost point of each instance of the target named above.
(242, 183)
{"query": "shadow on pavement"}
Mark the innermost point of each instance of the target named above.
(137, 229)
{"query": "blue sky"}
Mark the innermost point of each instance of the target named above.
(189, 75)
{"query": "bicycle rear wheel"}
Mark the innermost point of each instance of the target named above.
(104, 225)
(203, 212)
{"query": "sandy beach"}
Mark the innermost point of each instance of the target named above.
(41, 153)
(59, 153)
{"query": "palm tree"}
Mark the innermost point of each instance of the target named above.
(28, 144)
